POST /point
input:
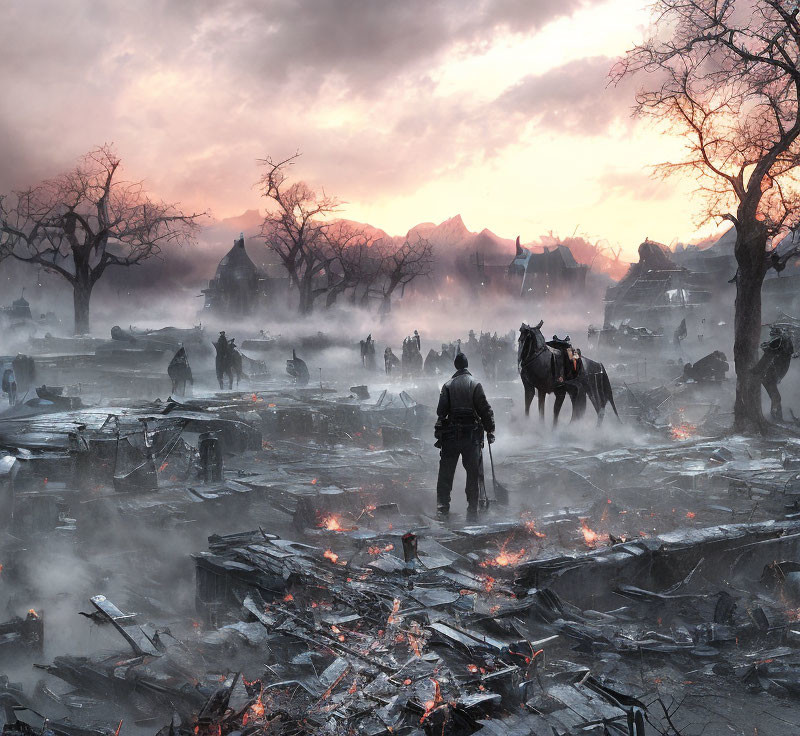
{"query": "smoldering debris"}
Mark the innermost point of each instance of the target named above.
(267, 560)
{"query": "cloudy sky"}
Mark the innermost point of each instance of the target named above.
(407, 110)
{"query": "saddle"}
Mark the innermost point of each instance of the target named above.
(566, 364)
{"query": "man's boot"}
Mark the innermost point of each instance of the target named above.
(472, 514)
(442, 511)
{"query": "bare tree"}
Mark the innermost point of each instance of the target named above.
(725, 75)
(294, 228)
(355, 260)
(403, 264)
(80, 223)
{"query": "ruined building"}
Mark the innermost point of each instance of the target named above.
(655, 292)
(552, 271)
(238, 287)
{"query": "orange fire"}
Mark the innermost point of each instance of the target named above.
(332, 556)
(33, 613)
(393, 615)
(488, 583)
(431, 705)
(378, 550)
(530, 526)
(504, 558)
(332, 523)
(589, 535)
(415, 638)
(163, 467)
(254, 712)
(690, 514)
(683, 431)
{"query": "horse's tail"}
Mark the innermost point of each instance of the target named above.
(608, 393)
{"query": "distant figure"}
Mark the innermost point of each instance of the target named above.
(390, 361)
(418, 340)
(464, 415)
(773, 365)
(24, 372)
(680, 333)
(180, 372)
(472, 343)
(10, 385)
(368, 353)
(223, 361)
(297, 369)
(412, 362)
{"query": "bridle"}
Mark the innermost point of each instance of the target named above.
(535, 353)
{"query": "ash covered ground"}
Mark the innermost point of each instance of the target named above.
(267, 559)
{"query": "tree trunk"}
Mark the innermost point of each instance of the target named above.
(750, 247)
(81, 294)
(306, 296)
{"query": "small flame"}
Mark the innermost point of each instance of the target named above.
(504, 558)
(378, 550)
(331, 523)
(690, 514)
(393, 615)
(683, 431)
(488, 583)
(432, 705)
(332, 556)
(589, 535)
(163, 467)
(33, 613)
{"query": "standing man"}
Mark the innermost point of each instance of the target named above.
(463, 416)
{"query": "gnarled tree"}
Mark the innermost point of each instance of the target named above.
(725, 75)
(355, 261)
(81, 223)
(294, 228)
(404, 263)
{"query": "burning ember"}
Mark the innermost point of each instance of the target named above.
(378, 550)
(504, 558)
(332, 523)
(431, 705)
(488, 583)
(332, 556)
(163, 467)
(395, 610)
(33, 613)
(690, 514)
(530, 526)
(683, 431)
(589, 535)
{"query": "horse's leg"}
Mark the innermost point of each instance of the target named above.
(529, 393)
(560, 395)
(542, 397)
(219, 379)
(776, 410)
(578, 403)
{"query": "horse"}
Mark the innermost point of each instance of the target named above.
(179, 372)
(538, 368)
(236, 364)
(224, 362)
